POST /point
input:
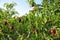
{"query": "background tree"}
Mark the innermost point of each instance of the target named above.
(42, 22)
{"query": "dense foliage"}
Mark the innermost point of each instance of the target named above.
(42, 23)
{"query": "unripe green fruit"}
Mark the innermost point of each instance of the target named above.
(32, 4)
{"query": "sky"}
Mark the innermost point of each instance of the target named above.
(22, 6)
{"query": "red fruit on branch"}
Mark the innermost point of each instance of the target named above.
(19, 19)
(52, 31)
(5, 23)
(11, 27)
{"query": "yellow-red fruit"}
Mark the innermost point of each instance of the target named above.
(52, 31)
(11, 27)
(35, 9)
(35, 31)
(10, 38)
